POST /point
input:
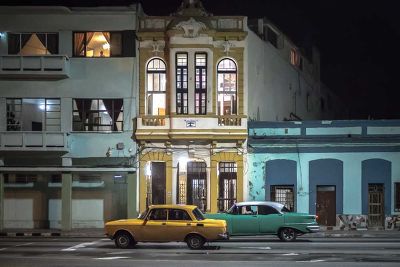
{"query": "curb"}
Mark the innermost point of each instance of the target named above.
(34, 234)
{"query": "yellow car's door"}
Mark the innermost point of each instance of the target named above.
(154, 227)
(179, 224)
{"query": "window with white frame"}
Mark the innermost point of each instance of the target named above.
(181, 83)
(156, 87)
(227, 87)
(200, 90)
(33, 114)
(32, 43)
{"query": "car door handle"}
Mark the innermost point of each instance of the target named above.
(254, 216)
(164, 223)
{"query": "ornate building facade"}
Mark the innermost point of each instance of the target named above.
(192, 122)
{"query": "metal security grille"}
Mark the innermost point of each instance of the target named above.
(197, 184)
(375, 205)
(227, 185)
(397, 194)
(283, 195)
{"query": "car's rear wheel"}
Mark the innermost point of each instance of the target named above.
(287, 234)
(124, 240)
(195, 241)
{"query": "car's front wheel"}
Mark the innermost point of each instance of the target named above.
(195, 241)
(287, 234)
(124, 239)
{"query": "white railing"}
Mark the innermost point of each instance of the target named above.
(52, 66)
(33, 140)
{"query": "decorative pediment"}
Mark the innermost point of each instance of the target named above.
(191, 27)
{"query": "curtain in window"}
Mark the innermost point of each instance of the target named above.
(42, 38)
(108, 103)
(107, 36)
(89, 36)
(25, 38)
(79, 43)
(83, 106)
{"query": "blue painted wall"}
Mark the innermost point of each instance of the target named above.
(376, 171)
(280, 172)
(326, 172)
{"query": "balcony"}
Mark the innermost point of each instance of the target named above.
(207, 127)
(33, 141)
(46, 67)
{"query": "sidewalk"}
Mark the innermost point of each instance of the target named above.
(99, 233)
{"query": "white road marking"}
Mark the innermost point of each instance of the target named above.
(312, 261)
(82, 245)
(1, 249)
(105, 239)
(290, 254)
(264, 248)
(111, 258)
(25, 244)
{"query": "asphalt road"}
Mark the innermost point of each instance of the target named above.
(257, 251)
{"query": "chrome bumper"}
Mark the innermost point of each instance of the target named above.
(313, 228)
(224, 236)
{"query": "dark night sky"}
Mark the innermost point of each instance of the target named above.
(358, 41)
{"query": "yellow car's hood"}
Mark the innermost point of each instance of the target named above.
(125, 222)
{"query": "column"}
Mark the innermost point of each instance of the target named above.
(66, 202)
(132, 195)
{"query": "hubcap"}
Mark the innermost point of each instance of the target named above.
(123, 241)
(195, 242)
(288, 234)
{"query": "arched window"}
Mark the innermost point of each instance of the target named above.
(155, 87)
(227, 87)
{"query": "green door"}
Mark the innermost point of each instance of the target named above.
(270, 219)
(245, 221)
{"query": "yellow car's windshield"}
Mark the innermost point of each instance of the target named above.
(143, 214)
(198, 214)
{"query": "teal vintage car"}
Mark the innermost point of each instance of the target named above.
(265, 218)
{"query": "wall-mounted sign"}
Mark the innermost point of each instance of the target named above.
(190, 123)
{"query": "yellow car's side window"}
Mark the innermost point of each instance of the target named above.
(158, 215)
(178, 215)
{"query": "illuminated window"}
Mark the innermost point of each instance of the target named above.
(97, 44)
(98, 114)
(155, 87)
(294, 57)
(33, 114)
(32, 43)
(200, 83)
(227, 87)
(181, 83)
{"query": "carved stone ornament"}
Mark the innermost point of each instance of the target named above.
(227, 46)
(191, 27)
(156, 47)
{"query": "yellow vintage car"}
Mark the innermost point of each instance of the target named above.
(165, 223)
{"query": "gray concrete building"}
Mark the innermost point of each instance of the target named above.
(67, 99)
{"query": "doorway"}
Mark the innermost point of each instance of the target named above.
(158, 183)
(197, 184)
(227, 185)
(326, 205)
(375, 205)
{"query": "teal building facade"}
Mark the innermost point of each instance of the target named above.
(346, 172)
